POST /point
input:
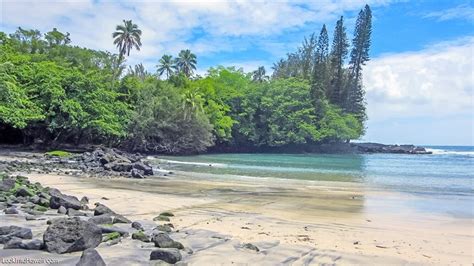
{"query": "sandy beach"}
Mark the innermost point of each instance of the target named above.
(290, 222)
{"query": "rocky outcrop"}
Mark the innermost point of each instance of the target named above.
(382, 148)
(58, 199)
(71, 234)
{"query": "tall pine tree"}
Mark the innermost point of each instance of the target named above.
(355, 103)
(322, 53)
(339, 51)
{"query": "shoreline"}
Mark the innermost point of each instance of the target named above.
(298, 222)
(329, 235)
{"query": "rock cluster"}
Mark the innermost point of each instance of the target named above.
(77, 228)
(382, 148)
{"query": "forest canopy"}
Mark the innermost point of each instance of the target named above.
(54, 93)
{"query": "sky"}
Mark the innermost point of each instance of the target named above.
(419, 82)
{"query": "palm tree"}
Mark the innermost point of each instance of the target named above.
(167, 65)
(126, 37)
(259, 75)
(186, 62)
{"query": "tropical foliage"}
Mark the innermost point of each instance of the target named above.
(52, 92)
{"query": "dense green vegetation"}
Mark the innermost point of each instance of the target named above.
(52, 92)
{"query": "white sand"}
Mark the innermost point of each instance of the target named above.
(291, 224)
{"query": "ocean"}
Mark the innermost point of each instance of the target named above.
(444, 178)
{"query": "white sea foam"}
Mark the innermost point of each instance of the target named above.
(193, 163)
(447, 152)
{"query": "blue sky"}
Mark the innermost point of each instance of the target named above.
(419, 82)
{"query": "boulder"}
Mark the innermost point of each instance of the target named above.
(35, 199)
(62, 210)
(35, 244)
(168, 255)
(102, 209)
(113, 229)
(72, 212)
(23, 192)
(11, 210)
(137, 174)
(7, 184)
(85, 200)
(13, 243)
(101, 219)
(164, 228)
(162, 240)
(147, 170)
(137, 226)
(90, 257)
(71, 234)
(121, 219)
(140, 235)
(58, 199)
(120, 167)
(9, 232)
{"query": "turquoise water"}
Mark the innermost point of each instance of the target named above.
(449, 170)
(442, 182)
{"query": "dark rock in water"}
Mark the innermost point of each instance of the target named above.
(58, 199)
(137, 226)
(382, 148)
(72, 212)
(168, 255)
(90, 257)
(7, 184)
(162, 240)
(85, 200)
(62, 210)
(71, 234)
(11, 210)
(137, 174)
(23, 192)
(13, 243)
(8, 232)
(251, 247)
(140, 235)
(101, 219)
(147, 170)
(102, 209)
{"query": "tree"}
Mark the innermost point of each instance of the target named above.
(359, 56)
(307, 56)
(321, 57)
(56, 37)
(166, 66)
(186, 62)
(338, 55)
(127, 36)
(259, 75)
(138, 71)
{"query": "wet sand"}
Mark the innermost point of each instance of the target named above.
(290, 222)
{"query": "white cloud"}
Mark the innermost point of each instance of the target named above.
(169, 26)
(459, 12)
(436, 82)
